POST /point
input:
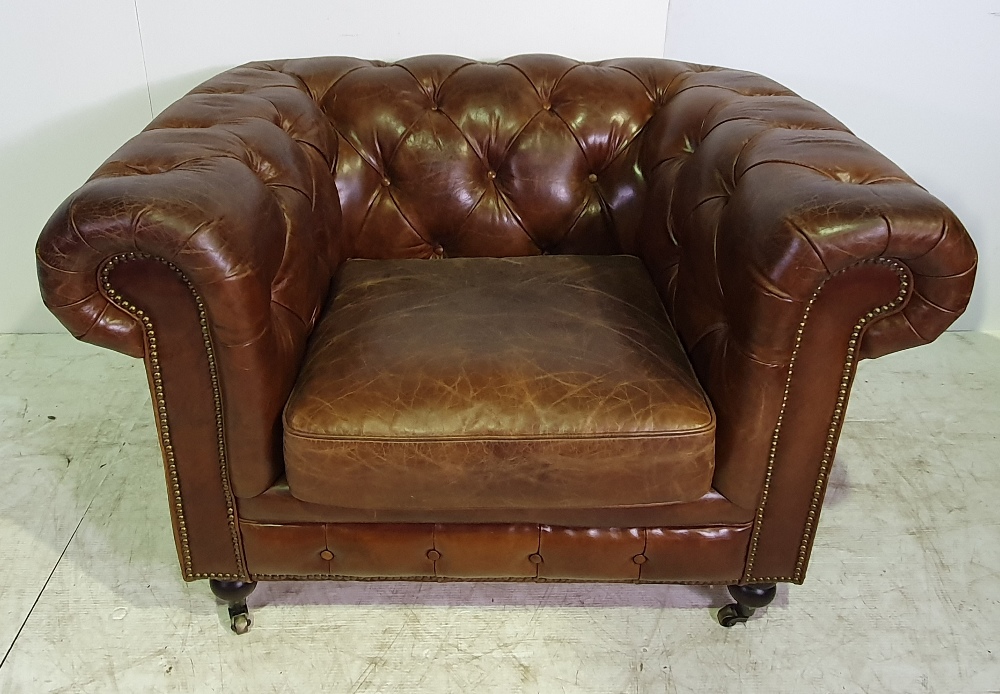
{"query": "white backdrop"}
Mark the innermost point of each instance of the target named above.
(919, 79)
(187, 41)
(72, 90)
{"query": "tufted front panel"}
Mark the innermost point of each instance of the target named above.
(500, 551)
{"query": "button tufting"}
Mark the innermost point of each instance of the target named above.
(491, 174)
(433, 554)
(305, 265)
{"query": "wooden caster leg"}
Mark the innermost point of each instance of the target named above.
(748, 599)
(234, 594)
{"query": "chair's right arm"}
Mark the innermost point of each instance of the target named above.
(205, 245)
(786, 250)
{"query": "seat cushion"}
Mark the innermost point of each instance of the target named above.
(486, 383)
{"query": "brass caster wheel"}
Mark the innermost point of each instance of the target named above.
(235, 594)
(734, 614)
(239, 618)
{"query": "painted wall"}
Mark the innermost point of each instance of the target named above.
(187, 41)
(72, 91)
(917, 79)
(78, 81)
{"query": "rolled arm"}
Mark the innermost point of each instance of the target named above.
(231, 184)
(758, 197)
(231, 187)
(786, 249)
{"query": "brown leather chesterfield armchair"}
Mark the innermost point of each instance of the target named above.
(533, 320)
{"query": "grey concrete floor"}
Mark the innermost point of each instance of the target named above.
(903, 594)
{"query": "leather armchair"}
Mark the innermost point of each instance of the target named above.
(783, 249)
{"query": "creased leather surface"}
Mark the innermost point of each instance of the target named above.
(550, 382)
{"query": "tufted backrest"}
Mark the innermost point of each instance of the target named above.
(444, 156)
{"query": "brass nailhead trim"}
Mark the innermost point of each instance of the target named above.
(475, 579)
(845, 381)
(177, 508)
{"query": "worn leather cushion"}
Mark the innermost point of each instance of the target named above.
(486, 383)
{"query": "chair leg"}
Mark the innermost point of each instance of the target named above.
(234, 594)
(748, 599)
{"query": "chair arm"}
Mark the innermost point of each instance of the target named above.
(231, 189)
(758, 196)
(772, 233)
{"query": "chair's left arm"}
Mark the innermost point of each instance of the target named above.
(205, 245)
(786, 249)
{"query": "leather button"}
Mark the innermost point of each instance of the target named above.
(385, 182)
(547, 107)
(433, 554)
(326, 555)
(535, 558)
(639, 559)
(491, 174)
(592, 178)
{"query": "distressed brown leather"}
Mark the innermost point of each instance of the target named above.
(789, 517)
(483, 383)
(741, 199)
(206, 543)
(453, 551)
